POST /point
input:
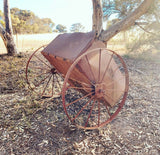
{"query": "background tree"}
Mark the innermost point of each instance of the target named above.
(7, 33)
(2, 18)
(25, 21)
(77, 27)
(147, 25)
(121, 8)
(123, 24)
(61, 28)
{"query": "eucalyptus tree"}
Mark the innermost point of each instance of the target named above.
(128, 18)
(121, 8)
(61, 28)
(77, 27)
(7, 32)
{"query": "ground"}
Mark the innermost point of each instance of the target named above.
(31, 125)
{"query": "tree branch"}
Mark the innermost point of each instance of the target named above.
(126, 22)
(140, 23)
(144, 29)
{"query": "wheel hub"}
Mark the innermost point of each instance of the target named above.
(99, 90)
(53, 71)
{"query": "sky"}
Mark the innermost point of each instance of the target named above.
(65, 12)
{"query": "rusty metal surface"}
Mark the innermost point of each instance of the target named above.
(59, 63)
(91, 67)
(70, 45)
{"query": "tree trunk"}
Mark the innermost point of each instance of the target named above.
(2, 34)
(97, 18)
(7, 34)
(123, 24)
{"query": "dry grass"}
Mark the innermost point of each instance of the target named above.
(29, 42)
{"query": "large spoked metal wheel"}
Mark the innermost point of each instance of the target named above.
(41, 76)
(93, 100)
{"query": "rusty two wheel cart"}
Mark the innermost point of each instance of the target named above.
(94, 80)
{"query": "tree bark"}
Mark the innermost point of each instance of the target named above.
(7, 16)
(7, 34)
(97, 18)
(120, 26)
(2, 34)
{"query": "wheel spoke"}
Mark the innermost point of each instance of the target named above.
(79, 99)
(52, 85)
(116, 69)
(114, 90)
(42, 61)
(107, 68)
(99, 113)
(108, 110)
(42, 80)
(100, 53)
(79, 88)
(82, 82)
(90, 68)
(114, 81)
(109, 97)
(40, 68)
(82, 109)
(59, 85)
(46, 85)
(42, 74)
(90, 113)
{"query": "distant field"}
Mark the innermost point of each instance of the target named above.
(31, 42)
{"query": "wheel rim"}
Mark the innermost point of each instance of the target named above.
(41, 76)
(85, 108)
